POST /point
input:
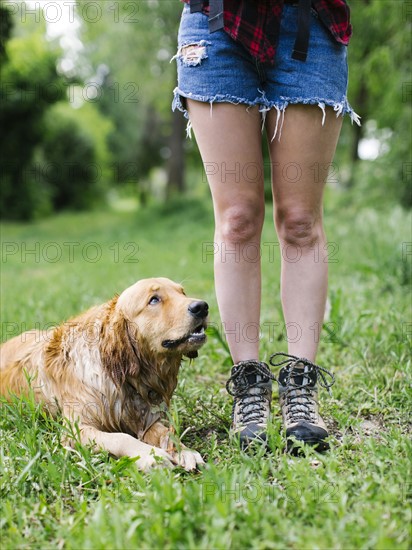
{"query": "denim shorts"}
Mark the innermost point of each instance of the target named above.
(222, 70)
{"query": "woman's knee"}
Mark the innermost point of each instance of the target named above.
(240, 224)
(299, 227)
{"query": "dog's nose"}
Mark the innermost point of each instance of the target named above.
(199, 309)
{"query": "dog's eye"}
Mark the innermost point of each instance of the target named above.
(154, 300)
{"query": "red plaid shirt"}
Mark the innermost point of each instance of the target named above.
(255, 23)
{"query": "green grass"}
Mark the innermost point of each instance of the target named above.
(356, 496)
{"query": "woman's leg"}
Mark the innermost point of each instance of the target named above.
(230, 143)
(229, 139)
(300, 162)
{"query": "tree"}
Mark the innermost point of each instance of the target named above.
(380, 89)
(75, 156)
(138, 68)
(29, 85)
(52, 156)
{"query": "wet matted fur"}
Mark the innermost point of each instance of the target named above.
(113, 369)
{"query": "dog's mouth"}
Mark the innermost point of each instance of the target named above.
(195, 339)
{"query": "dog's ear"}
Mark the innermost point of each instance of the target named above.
(118, 349)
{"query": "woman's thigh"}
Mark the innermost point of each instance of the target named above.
(230, 143)
(301, 159)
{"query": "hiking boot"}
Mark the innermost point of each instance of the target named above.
(250, 384)
(298, 396)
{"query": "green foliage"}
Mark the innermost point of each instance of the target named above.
(145, 34)
(29, 85)
(380, 91)
(91, 124)
(136, 93)
(52, 156)
(379, 56)
(75, 156)
(355, 496)
(6, 26)
(71, 163)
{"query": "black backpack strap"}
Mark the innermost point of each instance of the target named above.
(196, 5)
(300, 49)
(215, 15)
(215, 12)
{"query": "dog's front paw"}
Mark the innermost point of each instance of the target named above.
(187, 459)
(157, 459)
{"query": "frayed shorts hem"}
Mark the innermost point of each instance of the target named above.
(341, 108)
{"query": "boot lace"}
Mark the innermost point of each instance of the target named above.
(251, 397)
(300, 398)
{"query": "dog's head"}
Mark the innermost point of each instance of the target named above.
(162, 319)
(153, 322)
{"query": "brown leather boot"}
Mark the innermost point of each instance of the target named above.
(298, 396)
(250, 384)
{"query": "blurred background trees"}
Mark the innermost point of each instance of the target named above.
(380, 90)
(86, 89)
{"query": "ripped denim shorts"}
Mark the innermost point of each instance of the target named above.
(218, 69)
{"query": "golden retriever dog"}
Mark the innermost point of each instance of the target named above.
(113, 369)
